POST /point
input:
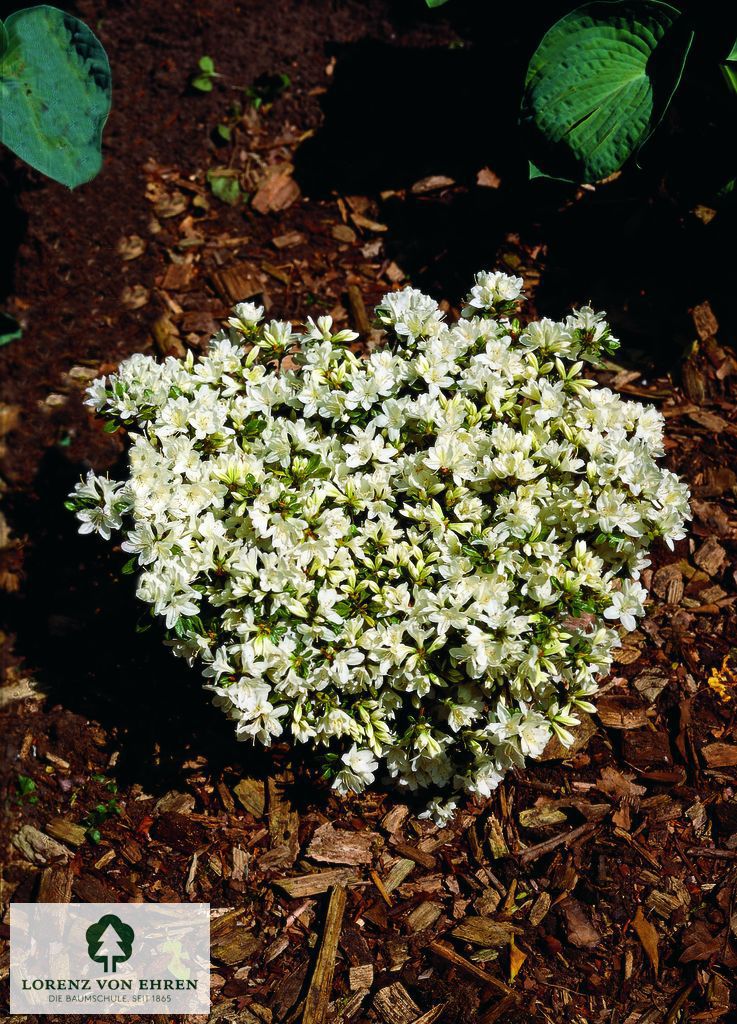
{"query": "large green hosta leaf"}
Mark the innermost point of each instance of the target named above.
(54, 93)
(599, 83)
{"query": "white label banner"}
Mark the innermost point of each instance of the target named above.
(98, 958)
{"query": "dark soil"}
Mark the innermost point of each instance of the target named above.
(393, 157)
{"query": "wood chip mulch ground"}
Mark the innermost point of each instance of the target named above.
(598, 886)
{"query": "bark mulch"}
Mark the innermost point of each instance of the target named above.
(598, 885)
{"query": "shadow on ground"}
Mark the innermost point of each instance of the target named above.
(76, 628)
(634, 247)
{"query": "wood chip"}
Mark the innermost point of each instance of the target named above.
(579, 927)
(433, 183)
(482, 931)
(288, 240)
(621, 711)
(315, 883)
(360, 977)
(395, 1005)
(555, 751)
(251, 794)
(704, 321)
(487, 179)
(426, 860)
(134, 296)
(357, 306)
(343, 233)
(539, 909)
(283, 820)
(397, 873)
(231, 939)
(495, 838)
(710, 557)
(237, 283)
(648, 936)
(66, 831)
(56, 884)
(541, 817)
(166, 338)
(321, 983)
(178, 277)
(339, 846)
(720, 755)
(277, 191)
(424, 916)
(179, 803)
(130, 248)
(39, 848)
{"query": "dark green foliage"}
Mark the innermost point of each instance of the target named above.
(55, 93)
(599, 83)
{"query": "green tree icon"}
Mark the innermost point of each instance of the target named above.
(109, 942)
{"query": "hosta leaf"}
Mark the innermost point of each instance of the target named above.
(599, 83)
(55, 93)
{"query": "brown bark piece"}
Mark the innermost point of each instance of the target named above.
(318, 882)
(39, 848)
(720, 755)
(482, 931)
(251, 794)
(579, 928)
(331, 845)
(395, 1005)
(321, 984)
(66, 831)
(240, 282)
(56, 884)
(710, 556)
(231, 940)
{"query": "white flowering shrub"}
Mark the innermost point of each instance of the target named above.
(414, 560)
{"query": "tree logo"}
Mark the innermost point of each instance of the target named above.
(109, 942)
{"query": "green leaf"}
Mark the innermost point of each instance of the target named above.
(26, 785)
(435, 3)
(225, 187)
(55, 91)
(10, 329)
(599, 84)
(206, 64)
(729, 71)
(203, 83)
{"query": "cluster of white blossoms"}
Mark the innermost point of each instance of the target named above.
(414, 559)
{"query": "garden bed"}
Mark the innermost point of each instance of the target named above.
(597, 885)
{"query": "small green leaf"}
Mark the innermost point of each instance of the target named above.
(26, 785)
(225, 132)
(203, 83)
(206, 64)
(729, 71)
(55, 88)
(435, 3)
(599, 84)
(225, 187)
(10, 329)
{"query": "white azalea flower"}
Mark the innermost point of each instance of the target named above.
(382, 556)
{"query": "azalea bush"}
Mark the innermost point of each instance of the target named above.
(416, 560)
